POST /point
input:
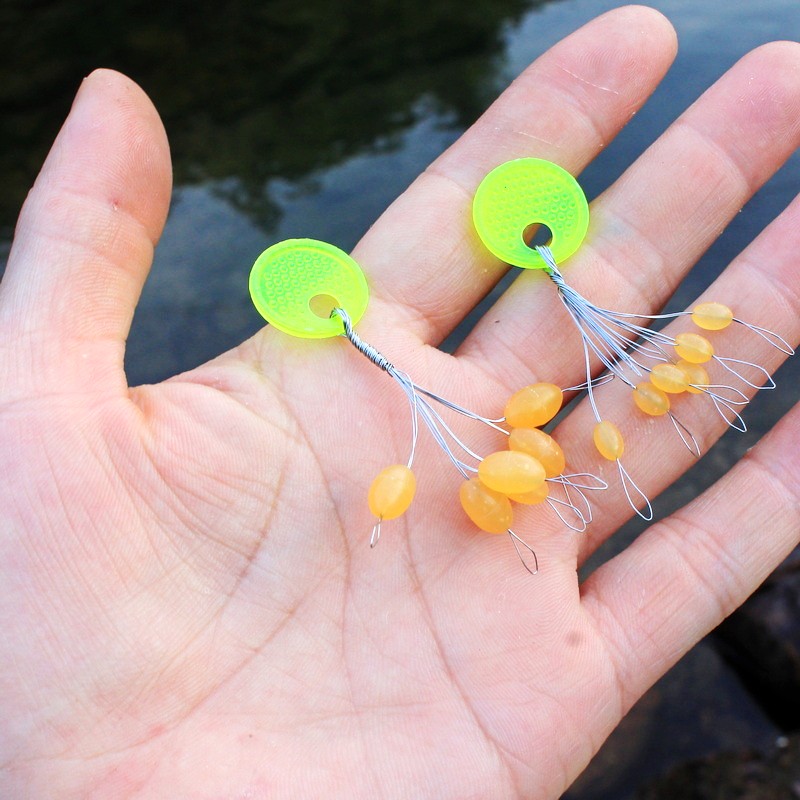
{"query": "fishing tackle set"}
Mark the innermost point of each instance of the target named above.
(292, 280)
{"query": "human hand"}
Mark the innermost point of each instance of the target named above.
(189, 604)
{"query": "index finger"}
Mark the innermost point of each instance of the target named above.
(422, 255)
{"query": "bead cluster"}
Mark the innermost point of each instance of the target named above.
(520, 473)
(289, 278)
(686, 374)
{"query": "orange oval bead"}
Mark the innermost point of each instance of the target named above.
(533, 405)
(669, 378)
(694, 348)
(489, 510)
(538, 495)
(543, 447)
(392, 491)
(696, 375)
(608, 440)
(511, 472)
(712, 316)
(651, 399)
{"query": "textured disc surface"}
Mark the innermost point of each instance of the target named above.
(525, 192)
(289, 275)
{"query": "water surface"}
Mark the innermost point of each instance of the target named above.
(307, 119)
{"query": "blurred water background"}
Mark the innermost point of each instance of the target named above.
(307, 119)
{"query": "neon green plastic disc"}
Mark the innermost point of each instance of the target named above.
(524, 192)
(289, 275)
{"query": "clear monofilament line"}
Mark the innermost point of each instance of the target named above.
(463, 458)
(655, 366)
(492, 423)
(613, 348)
(629, 486)
(726, 362)
(669, 365)
(581, 387)
(614, 340)
(414, 429)
(420, 407)
(568, 482)
(589, 383)
(768, 336)
(686, 436)
(583, 519)
(367, 350)
(609, 347)
(517, 541)
(774, 339)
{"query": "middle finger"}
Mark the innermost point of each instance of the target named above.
(650, 227)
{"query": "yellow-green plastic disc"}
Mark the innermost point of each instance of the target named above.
(289, 275)
(524, 192)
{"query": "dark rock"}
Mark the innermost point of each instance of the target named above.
(697, 709)
(745, 775)
(761, 641)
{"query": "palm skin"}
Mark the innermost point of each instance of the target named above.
(189, 604)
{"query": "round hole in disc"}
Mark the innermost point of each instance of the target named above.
(537, 234)
(322, 305)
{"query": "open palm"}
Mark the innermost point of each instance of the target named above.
(189, 604)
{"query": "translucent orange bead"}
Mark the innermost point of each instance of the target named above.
(534, 405)
(489, 510)
(543, 447)
(712, 316)
(511, 472)
(538, 495)
(694, 348)
(651, 399)
(696, 375)
(392, 491)
(608, 440)
(669, 378)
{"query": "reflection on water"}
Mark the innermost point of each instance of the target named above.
(279, 112)
(251, 91)
(308, 118)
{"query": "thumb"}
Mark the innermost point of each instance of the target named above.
(84, 243)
